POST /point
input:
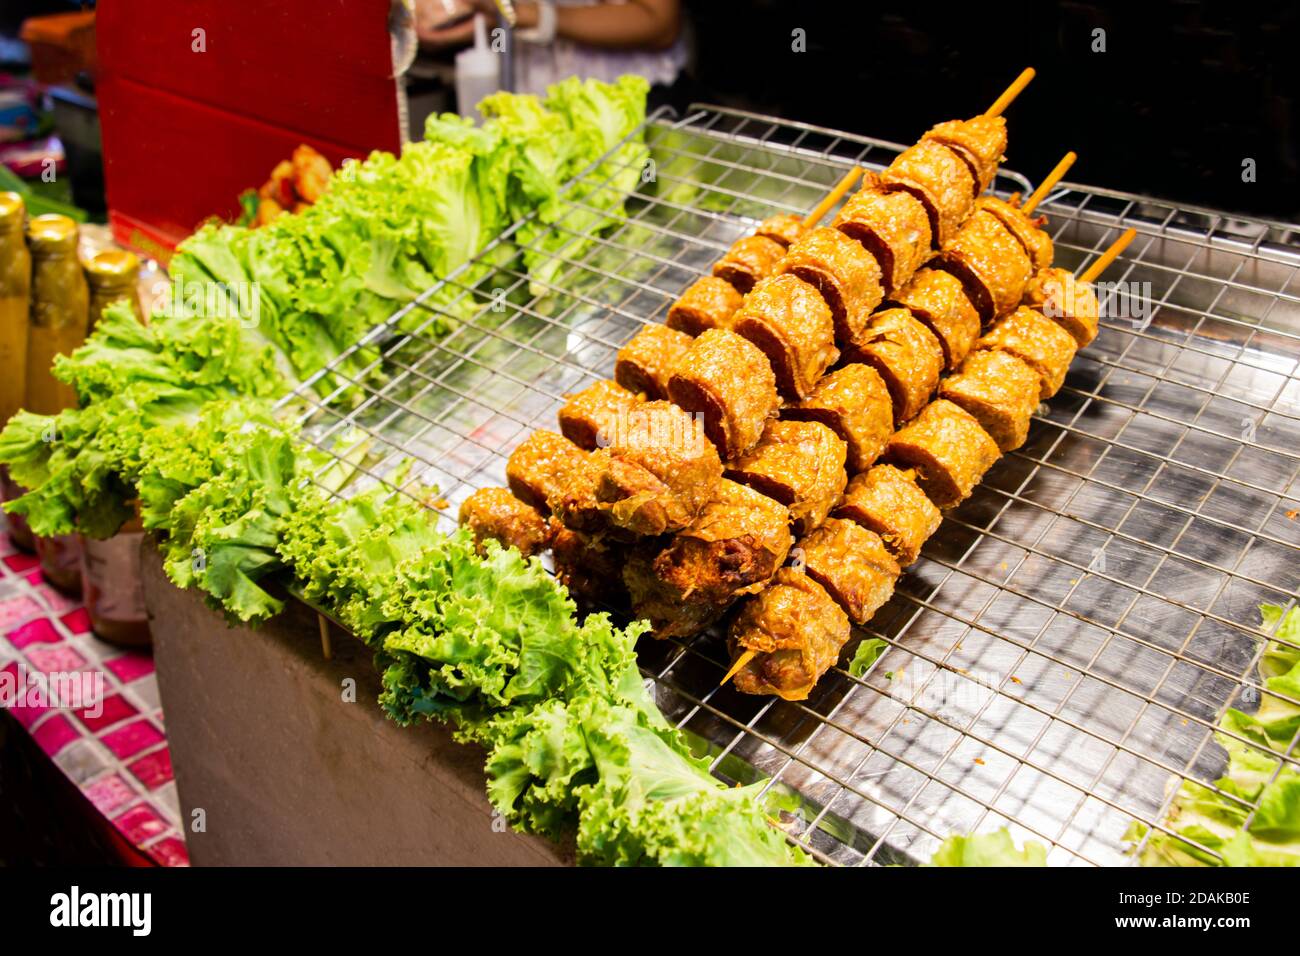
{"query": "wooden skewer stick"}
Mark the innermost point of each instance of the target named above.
(833, 196)
(1011, 92)
(322, 622)
(741, 661)
(1048, 184)
(1109, 256)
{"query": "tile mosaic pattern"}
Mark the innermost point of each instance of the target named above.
(114, 749)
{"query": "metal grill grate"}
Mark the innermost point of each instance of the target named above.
(1060, 657)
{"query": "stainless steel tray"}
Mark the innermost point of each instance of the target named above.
(1059, 658)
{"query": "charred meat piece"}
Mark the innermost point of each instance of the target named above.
(591, 568)
(906, 354)
(727, 380)
(801, 465)
(947, 448)
(709, 303)
(854, 403)
(846, 275)
(497, 514)
(1001, 392)
(936, 176)
(733, 548)
(937, 298)
(645, 363)
(749, 259)
(1028, 230)
(655, 476)
(980, 141)
(1039, 342)
(589, 417)
(797, 630)
(893, 226)
(540, 466)
(792, 325)
(1065, 300)
(887, 501)
(852, 565)
(991, 264)
(783, 228)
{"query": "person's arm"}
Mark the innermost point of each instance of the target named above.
(637, 24)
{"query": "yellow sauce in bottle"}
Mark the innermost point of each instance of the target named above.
(113, 275)
(15, 299)
(60, 310)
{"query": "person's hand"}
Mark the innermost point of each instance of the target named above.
(449, 23)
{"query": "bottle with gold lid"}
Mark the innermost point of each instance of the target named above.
(15, 298)
(113, 274)
(15, 306)
(60, 310)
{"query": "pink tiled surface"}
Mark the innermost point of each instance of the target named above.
(113, 745)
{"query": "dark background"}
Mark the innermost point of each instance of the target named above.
(1185, 91)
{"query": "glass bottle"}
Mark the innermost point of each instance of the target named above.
(15, 306)
(60, 310)
(111, 585)
(112, 275)
(59, 313)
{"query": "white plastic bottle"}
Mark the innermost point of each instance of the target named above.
(478, 71)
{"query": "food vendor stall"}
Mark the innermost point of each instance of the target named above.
(612, 484)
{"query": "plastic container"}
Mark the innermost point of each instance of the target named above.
(19, 533)
(60, 558)
(478, 71)
(112, 588)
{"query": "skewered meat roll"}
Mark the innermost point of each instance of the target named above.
(730, 382)
(907, 355)
(991, 264)
(645, 363)
(709, 303)
(1027, 229)
(749, 259)
(938, 299)
(1065, 300)
(980, 141)
(798, 632)
(846, 275)
(733, 548)
(540, 466)
(1001, 392)
(854, 403)
(893, 226)
(589, 416)
(1039, 342)
(783, 228)
(591, 568)
(887, 501)
(852, 565)
(497, 514)
(939, 178)
(948, 449)
(791, 323)
(670, 614)
(656, 475)
(801, 465)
